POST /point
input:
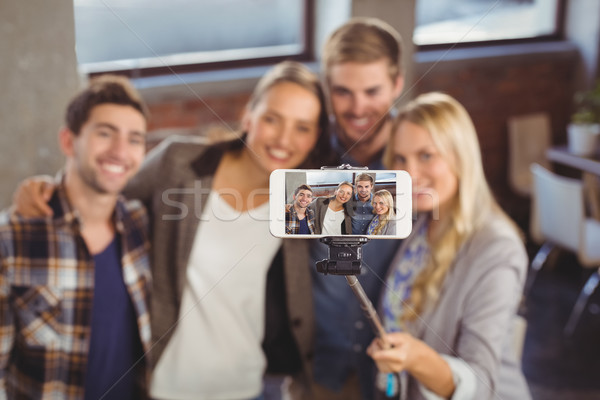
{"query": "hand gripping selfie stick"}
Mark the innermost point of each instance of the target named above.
(345, 258)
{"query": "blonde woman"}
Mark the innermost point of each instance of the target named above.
(455, 283)
(383, 208)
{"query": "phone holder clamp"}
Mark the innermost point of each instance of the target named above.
(344, 255)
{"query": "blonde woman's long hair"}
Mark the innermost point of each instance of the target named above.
(454, 135)
(387, 198)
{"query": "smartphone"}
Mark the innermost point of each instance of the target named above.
(376, 204)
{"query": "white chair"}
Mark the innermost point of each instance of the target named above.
(562, 223)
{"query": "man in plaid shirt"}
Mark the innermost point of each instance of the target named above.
(299, 218)
(74, 287)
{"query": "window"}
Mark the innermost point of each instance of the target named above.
(148, 37)
(471, 21)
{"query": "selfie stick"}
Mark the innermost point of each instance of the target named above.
(366, 305)
(345, 258)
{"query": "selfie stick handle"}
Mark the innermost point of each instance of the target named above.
(371, 313)
(367, 307)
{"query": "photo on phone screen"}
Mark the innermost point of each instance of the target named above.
(333, 202)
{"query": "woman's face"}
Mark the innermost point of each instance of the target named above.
(379, 205)
(343, 194)
(283, 127)
(434, 183)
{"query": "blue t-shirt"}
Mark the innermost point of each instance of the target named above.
(303, 227)
(115, 344)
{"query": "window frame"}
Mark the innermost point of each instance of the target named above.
(306, 55)
(557, 35)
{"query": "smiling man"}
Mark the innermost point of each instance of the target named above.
(363, 76)
(299, 219)
(361, 66)
(361, 204)
(74, 286)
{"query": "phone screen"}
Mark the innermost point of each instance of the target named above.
(338, 202)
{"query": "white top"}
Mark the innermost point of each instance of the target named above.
(332, 222)
(215, 352)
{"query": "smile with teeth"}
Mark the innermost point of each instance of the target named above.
(278, 153)
(359, 122)
(113, 168)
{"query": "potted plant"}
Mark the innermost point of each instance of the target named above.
(585, 122)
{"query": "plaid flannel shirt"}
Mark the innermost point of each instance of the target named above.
(292, 223)
(46, 294)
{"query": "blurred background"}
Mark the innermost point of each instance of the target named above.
(196, 62)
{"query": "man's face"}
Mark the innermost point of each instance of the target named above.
(363, 190)
(109, 149)
(361, 96)
(303, 198)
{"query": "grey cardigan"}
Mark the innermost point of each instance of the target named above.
(471, 325)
